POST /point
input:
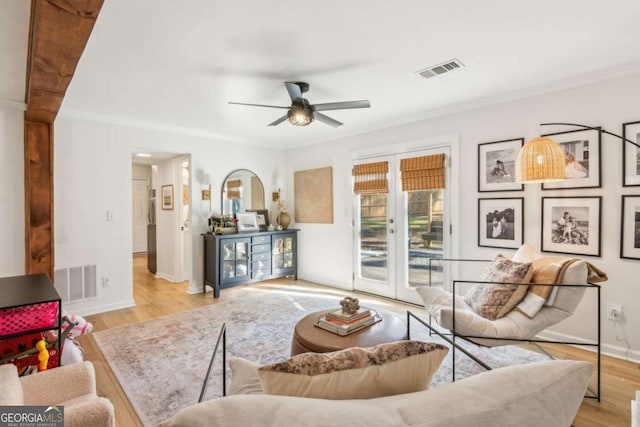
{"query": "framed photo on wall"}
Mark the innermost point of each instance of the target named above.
(501, 222)
(631, 155)
(582, 159)
(167, 197)
(497, 165)
(630, 230)
(571, 225)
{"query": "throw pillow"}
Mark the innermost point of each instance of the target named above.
(244, 377)
(356, 373)
(494, 300)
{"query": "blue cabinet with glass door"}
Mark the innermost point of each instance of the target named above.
(236, 259)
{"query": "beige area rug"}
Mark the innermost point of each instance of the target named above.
(161, 363)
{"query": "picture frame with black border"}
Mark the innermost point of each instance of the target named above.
(630, 227)
(631, 155)
(571, 225)
(501, 222)
(247, 222)
(497, 165)
(582, 150)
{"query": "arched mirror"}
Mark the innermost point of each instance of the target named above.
(242, 190)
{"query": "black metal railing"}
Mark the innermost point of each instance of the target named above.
(222, 337)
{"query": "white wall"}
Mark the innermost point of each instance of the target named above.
(326, 251)
(167, 223)
(11, 191)
(141, 172)
(93, 173)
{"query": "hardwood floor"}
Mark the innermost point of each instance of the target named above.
(157, 297)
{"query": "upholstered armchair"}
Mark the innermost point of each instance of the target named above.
(529, 315)
(72, 386)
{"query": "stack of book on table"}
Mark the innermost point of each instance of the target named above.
(344, 324)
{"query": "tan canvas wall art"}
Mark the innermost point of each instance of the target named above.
(313, 191)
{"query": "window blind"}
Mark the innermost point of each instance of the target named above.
(423, 173)
(371, 178)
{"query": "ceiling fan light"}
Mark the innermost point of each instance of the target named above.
(300, 115)
(540, 160)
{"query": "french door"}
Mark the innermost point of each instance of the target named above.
(396, 233)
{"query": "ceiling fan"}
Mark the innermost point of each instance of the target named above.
(301, 113)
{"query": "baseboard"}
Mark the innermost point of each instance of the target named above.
(607, 349)
(321, 281)
(197, 289)
(167, 277)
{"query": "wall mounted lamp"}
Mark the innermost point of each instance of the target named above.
(543, 160)
(206, 193)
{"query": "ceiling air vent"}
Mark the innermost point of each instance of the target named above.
(445, 67)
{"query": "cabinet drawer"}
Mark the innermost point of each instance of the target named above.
(259, 240)
(264, 256)
(260, 248)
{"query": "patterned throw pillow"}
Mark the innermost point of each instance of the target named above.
(492, 300)
(356, 373)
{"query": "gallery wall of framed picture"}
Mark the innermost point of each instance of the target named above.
(571, 216)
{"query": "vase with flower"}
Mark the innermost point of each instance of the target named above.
(283, 217)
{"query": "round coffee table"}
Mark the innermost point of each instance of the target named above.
(309, 338)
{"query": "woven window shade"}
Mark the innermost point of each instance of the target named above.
(371, 178)
(233, 189)
(422, 173)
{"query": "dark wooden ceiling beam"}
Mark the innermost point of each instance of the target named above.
(58, 34)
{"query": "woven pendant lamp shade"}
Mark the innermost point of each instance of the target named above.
(541, 160)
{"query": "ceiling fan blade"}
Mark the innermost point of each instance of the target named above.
(294, 90)
(258, 105)
(326, 120)
(278, 121)
(340, 105)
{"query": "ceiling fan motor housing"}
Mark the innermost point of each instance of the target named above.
(300, 113)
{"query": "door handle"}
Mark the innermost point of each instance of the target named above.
(391, 231)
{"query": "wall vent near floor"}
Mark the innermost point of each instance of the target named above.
(76, 283)
(445, 67)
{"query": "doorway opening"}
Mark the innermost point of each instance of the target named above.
(161, 213)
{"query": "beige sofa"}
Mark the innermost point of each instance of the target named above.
(72, 386)
(538, 394)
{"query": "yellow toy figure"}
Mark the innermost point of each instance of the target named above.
(43, 355)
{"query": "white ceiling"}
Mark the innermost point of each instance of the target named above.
(175, 64)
